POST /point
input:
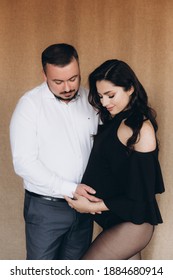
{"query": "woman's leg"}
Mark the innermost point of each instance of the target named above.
(136, 257)
(120, 242)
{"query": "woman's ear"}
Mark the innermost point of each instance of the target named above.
(131, 90)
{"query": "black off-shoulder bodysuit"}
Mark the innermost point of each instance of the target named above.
(126, 182)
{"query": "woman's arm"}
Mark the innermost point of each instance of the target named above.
(83, 205)
(147, 139)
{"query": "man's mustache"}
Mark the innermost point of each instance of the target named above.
(64, 92)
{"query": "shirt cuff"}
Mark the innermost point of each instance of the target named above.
(63, 188)
(68, 189)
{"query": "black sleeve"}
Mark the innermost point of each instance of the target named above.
(143, 180)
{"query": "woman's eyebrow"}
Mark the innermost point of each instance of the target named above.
(105, 93)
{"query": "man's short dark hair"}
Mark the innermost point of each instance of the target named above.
(58, 54)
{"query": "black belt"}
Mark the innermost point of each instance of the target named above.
(50, 198)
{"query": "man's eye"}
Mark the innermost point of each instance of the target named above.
(58, 83)
(73, 79)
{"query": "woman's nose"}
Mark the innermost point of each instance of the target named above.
(105, 101)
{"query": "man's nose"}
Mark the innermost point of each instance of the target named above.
(66, 86)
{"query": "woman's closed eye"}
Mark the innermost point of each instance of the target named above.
(111, 96)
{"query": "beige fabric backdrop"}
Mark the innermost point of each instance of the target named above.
(137, 31)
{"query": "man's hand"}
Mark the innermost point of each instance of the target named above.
(87, 192)
(82, 204)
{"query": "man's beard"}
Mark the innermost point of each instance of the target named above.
(67, 99)
(61, 98)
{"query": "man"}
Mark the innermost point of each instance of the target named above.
(51, 138)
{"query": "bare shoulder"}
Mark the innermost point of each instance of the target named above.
(124, 133)
(147, 139)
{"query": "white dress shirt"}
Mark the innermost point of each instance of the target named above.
(51, 140)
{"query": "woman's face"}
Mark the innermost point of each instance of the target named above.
(114, 98)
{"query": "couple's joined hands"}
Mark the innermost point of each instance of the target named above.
(84, 200)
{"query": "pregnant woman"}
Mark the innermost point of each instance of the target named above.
(123, 167)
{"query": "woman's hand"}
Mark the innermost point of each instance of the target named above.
(79, 203)
(83, 205)
(88, 192)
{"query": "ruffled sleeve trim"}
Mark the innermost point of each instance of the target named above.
(144, 181)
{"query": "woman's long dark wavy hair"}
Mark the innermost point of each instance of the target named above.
(120, 74)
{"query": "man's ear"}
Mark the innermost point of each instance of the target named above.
(44, 75)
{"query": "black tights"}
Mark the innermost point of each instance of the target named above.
(120, 242)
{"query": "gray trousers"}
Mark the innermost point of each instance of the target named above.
(54, 231)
